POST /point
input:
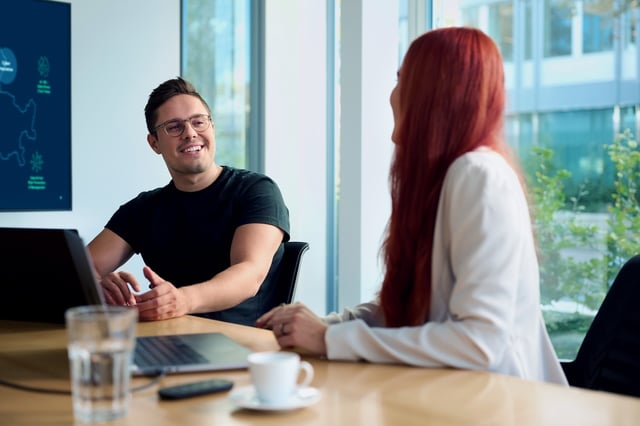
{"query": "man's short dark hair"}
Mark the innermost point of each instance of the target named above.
(164, 92)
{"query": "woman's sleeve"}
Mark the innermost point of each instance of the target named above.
(485, 225)
(370, 313)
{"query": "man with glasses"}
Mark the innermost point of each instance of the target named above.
(209, 238)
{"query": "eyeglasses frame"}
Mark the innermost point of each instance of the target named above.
(175, 120)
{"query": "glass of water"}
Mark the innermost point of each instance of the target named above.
(101, 342)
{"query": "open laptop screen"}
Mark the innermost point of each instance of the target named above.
(44, 272)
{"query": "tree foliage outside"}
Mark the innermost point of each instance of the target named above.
(579, 259)
(613, 7)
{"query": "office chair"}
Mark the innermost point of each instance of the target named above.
(609, 357)
(288, 271)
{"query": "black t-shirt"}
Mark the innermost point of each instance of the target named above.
(185, 237)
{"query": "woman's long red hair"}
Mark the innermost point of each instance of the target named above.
(451, 101)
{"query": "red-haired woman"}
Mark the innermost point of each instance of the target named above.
(461, 285)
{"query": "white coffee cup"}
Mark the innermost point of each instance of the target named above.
(275, 375)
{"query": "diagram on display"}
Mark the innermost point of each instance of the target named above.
(35, 107)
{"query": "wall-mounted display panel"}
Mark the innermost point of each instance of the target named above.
(35, 105)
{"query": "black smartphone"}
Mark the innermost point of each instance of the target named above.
(188, 390)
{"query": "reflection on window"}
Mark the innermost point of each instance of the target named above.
(557, 28)
(573, 121)
(215, 58)
(528, 30)
(495, 19)
(629, 29)
(577, 139)
(500, 27)
(471, 16)
(403, 29)
(628, 120)
(597, 30)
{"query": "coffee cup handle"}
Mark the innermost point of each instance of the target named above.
(308, 374)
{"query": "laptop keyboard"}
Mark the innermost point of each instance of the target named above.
(165, 350)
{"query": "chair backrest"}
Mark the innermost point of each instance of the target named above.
(288, 271)
(609, 356)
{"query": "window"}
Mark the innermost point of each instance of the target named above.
(501, 27)
(572, 119)
(557, 28)
(597, 30)
(573, 108)
(216, 59)
(496, 19)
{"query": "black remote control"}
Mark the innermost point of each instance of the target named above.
(195, 389)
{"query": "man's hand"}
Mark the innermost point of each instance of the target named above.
(163, 301)
(116, 288)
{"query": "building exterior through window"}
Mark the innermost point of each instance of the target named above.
(572, 75)
(571, 69)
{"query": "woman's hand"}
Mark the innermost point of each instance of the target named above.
(295, 326)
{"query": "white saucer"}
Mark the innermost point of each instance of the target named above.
(245, 397)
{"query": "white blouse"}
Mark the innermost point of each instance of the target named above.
(485, 302)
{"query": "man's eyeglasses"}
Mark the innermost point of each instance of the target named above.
(199, 123)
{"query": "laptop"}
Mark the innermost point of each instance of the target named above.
(46, 271)
(187, 353)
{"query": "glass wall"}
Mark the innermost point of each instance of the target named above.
(216, 52)
(571, 75)
(571, 69)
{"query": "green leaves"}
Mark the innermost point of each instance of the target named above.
(580, 253)
(624, 211)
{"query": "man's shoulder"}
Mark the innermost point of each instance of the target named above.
(150, 195)
(243, 176)
(244, 173)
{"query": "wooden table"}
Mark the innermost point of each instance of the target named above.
(352, 393)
